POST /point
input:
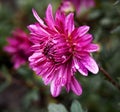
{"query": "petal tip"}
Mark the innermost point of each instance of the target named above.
(96, 70)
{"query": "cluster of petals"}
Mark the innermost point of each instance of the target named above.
(59, 50)
(18, 47)
(78, 5)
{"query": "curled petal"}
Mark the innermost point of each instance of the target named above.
(80, 67)
(38, 18)
(90, 64)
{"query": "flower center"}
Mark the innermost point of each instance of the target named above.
(48, 51)
(71, 45)
(55, 53)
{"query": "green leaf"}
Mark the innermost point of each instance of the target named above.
(76, 107)
(56, 108)
(3, 86)
(30, 97)
(116, 30)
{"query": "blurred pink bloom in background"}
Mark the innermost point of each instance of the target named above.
(60, 50)
(78, 5)
(67, 7)
(18, 47)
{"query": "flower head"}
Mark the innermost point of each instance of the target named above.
(18, 47)
(60, 50)
(78, 5)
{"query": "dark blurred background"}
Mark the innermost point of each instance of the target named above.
(22, 91)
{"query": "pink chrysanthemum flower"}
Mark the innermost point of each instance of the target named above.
(79, 5)
(18, 47)
(60, 50)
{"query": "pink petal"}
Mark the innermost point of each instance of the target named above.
(79, 32)
(86, 37)
(67, 87)
(69, 23)
(17, 62)
(60, 77)
(35, 56)
(10, 49)
(35, 47)
(83, 30)
(49, 16)
(92, 48)
(84, 40)
(38, 18)
(16, 65)
(75, 86)
(90, 64)
(80, 67)
(49, 75)
(48, 79)
(59, 21)
(34, 28)
(68, 73)
(55, 89)
(12, 41)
